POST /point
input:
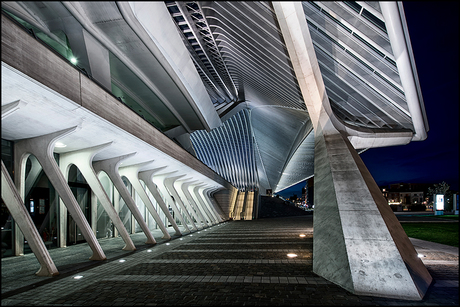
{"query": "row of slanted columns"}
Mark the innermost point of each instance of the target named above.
(190, 200)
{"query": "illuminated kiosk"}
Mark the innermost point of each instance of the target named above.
(439, 204)
(232, 110)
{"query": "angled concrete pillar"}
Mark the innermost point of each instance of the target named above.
(358, 243)
(178, 185)
(209, 193)
(185, 189)
(42, 148)
(159, 180)
(132, 173)
(22, 218)
(110, 167)
(146, 176)
(169, 184)
(201, 203)
(83, 160)
(12, 107)
(34, 172)
(203, 192)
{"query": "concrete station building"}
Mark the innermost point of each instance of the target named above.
(123, 117)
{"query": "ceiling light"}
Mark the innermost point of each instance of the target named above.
(59, 144)
(122, 260)
(77, 277)
(73, 60)
(302, 235)
(291, 255)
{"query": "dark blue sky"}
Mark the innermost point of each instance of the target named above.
(433, 28)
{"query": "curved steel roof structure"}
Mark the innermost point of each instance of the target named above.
(216, 77)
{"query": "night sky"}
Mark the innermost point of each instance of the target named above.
(433, 29)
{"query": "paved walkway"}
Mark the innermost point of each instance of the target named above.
(235, 263)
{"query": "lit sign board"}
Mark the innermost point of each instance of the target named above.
(439, 202)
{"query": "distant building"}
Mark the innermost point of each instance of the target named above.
(401, 196)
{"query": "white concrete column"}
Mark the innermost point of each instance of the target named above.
(169, 184)
(146, 176)
(33, 174)
(185, 189)
(132, 173)
(83, 160)
(159, 180)
(22, 218)
(178, 184)
(42, 148)
(199, 201)
(110, 167)
(358, 242)
(209, 205)
(209, 195)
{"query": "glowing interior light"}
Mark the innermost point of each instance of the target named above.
(180, 239)
(73, 60)
(59, 144)
(420, 255)
(149, 251)
(122, 260)
(291, 255)
(302, 235)
(167, 243)
(77, 277)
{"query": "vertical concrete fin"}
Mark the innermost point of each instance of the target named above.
(19, 213)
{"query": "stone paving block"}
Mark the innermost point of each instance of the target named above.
(216, 274)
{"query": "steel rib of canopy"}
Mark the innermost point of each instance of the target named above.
(231, 142)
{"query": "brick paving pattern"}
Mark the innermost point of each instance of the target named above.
(237, 263)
